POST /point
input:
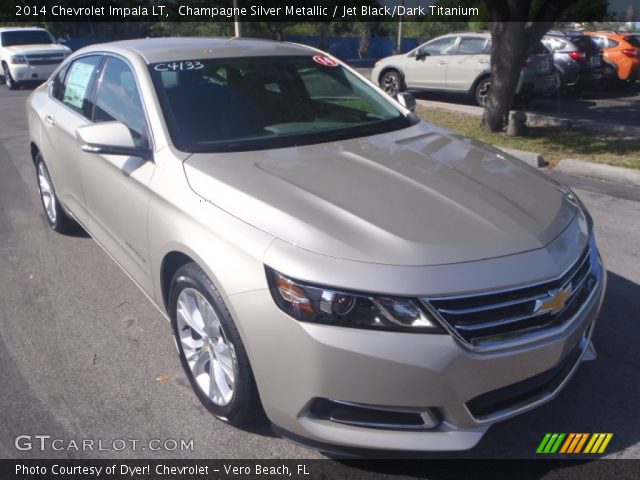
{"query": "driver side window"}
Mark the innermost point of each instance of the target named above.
(441, 46)
(118, 99)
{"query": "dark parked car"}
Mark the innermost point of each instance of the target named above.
(577, 59)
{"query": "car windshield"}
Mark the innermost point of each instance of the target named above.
(26, 37)
(633, 40)
(253, 103)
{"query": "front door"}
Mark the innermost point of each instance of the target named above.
(428, 67)
(116, 186)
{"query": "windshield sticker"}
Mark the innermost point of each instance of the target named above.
(325, 61)
(179, 66)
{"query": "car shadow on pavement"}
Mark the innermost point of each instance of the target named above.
(600, 398)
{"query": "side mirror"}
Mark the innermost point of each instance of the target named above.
(421, 55)
(110, 138)
(407, 100)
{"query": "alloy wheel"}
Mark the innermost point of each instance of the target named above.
(46, 193)
(207, 350)
(391, 83)
(483, 93)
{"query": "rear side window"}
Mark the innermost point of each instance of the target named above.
(118, 99)
(585, 44)
(554, 44)
(471, 46)
(611, 43)
(633, 40)
(78, 84)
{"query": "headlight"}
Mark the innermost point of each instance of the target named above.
(316, 304)
(18, 59)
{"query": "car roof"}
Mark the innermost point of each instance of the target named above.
(483, 33)
(163, 49)
(608, 33)
(566, 33)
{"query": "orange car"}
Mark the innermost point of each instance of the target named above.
(621, 53)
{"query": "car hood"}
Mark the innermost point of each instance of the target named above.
(418, 196)
(391, 59)
(37, 49)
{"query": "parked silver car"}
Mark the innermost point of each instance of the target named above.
(368, 279)
(460, 62)
(577, 59)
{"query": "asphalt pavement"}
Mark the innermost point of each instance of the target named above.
(84, 355)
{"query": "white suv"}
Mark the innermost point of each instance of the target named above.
(460, 62)
(28, 54)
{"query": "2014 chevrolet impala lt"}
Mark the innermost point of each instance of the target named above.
(366, 278)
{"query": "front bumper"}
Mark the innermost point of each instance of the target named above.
(296, 363)
(31, 73)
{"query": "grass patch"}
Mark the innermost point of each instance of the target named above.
(553, 143)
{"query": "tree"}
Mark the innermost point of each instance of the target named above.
(364, 34)
(517, 26)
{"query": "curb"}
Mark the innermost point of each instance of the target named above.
(582, 168)
(452, 107)
(533, 159)
(581, 124)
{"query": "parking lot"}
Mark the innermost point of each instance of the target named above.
(84, 355)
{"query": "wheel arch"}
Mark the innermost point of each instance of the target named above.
(34, 151)
(170, 264)
(480, 78)
(389, 68)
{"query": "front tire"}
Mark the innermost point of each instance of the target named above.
(210, 348)
(8, 79)
(53, 212)
(392, 83)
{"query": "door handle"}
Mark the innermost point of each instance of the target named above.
(441, 62)
(483, 61)
(49, 120)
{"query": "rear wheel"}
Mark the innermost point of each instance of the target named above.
(53, 212)
(481, 92)
(391, 82)
(210, 348)
(8, 79)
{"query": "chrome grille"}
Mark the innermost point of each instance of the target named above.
(45, 58)
(498, 320)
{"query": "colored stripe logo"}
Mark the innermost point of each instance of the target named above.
(554, 443)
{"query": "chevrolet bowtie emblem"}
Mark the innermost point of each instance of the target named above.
(554, 301)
